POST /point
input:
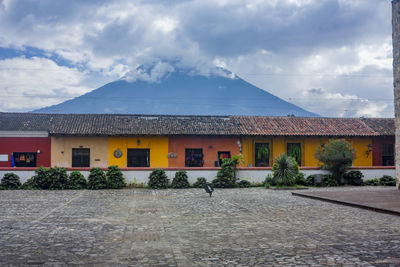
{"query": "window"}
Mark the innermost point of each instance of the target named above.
(81, 157)
(24, 159)
(223, 155)
(387, 154)
(138, 158)
(262, 154)
(194, 157)
(294, 151)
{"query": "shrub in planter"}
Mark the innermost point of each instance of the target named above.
(77, 180)
(201, 181)
(10, 181)
(387, 180)
(158, 179)
(58, 177)
(244, 184)
(180, 180)
(371, 182)
(115, 179)
(97, 179)
(300, 179)
(285, 170)
(310, 180)
(42, 179)
(30, 184)
(328, 180)
(226, 177)
(353, 177)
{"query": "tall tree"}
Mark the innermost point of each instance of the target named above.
(396, 80)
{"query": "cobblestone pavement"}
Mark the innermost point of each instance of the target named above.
(235, 227)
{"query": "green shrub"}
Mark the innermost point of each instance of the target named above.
(244, 184)
(42, 179)
(58, 178)
(158, 179)
(310, 180)
(387, 180)
(353, 177)
(336, 156)
(285, 170)
(269, 179)
(371, 182)
(30, 184)
(328, 180)
(77, 180)
(97, 179)
(201, 181)
(267, 185)
(226, 176)
(10, 181)
(115, 178)
(300, 179)
(180, 180)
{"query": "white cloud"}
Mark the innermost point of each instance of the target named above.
(32, 83)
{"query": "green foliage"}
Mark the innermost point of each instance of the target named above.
(301, 179)
(77, 180)
(387, 180)
(115, 178)
(310, 180)
(201, 181)
(336, 156)
(30, 184)
(97, 179)
(353, 177)
(371, 182)
(294, 151)
(58, 178)
(10, 181)
(285, 170)
(269, 179)
(267, 185)
(180, 180)
(226, 176)
(244, 184)
(158, 179)
(263, 152)
(42, 179)
(328, 180)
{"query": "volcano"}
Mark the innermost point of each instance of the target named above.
(180, 93)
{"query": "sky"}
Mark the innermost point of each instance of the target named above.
(331, 57)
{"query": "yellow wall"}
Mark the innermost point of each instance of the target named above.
(61, 150)
(158, 149)
(309, 146)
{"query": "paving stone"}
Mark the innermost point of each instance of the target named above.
(235, 227)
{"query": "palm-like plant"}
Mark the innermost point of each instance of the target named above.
(285, 170)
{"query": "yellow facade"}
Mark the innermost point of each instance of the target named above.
(61, 150)
(158, 146)
(309, 145)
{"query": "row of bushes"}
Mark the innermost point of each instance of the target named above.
(57, 179)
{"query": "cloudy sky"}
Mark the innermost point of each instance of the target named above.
(332, 57)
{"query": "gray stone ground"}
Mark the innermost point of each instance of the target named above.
(236, 227)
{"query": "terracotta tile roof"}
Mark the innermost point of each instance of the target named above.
(114, 124)
(25, 121)
(295, 126)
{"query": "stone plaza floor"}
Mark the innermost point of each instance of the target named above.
(235, 227)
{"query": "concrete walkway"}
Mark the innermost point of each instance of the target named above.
(387, 201)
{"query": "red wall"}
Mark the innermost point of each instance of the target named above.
(26, 144)
(377, 148)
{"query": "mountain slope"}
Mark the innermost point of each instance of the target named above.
(180, 94)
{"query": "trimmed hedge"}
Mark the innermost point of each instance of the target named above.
(97, 179)
(158, 179)
(180, 180)
(10, 181)
(77, 180)
(115, 178)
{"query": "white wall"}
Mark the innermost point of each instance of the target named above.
(250, 175)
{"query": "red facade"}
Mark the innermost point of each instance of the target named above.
(377, 145)
(39, 145)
